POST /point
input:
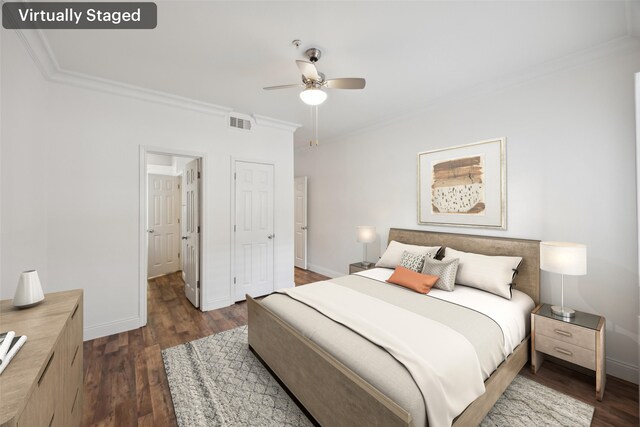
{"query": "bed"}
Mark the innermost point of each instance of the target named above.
(323, 373)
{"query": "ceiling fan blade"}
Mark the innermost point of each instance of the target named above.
(282, 87)
(346, 83)
(308, 70)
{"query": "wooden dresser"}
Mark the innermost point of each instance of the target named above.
(43, 384)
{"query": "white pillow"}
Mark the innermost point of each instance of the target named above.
(493, 274)
(392, 257)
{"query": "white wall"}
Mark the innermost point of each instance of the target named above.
(24, 213)
(70, 213)
(570, 177)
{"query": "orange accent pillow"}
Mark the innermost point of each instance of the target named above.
(421, 283)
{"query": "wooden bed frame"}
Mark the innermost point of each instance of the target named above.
(334, 395)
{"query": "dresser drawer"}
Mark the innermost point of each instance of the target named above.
(73, 369)
(40, 410)
(565, 351)
(566, 332)
(75, 408)
(73, 381)
(75, 324)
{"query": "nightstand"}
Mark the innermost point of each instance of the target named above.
(358, 266)
(579, 340)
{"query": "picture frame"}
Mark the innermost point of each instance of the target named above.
(464, 186)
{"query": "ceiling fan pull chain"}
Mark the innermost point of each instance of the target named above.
(311, 123)
(316, 125)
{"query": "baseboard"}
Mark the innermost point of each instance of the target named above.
(324, 271)
(110, 328)
(623, 370)
(214, 304)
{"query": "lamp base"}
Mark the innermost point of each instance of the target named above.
(563, 312)
(366, 264)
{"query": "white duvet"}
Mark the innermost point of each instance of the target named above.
(442, 362)
(513, 316)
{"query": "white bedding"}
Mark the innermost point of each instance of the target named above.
(513, 316)
(442, 362)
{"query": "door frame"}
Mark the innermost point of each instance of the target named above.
(232, 286)
(142, 231)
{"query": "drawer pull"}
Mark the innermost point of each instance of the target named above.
(51, 421)
(75, 354)
(46, 368)
(561, 332)
(75, 399)
(563, 351)
(75, 310)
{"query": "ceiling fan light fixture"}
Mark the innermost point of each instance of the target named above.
(313, 96)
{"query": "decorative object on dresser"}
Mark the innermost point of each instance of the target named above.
(7, 338)
(29, 290)
(366, 234)
(358, 266)
(464, 185)
(563, 258)
(43, 385)
(11, 343)
(579, 340)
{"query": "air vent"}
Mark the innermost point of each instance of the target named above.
(238, 123)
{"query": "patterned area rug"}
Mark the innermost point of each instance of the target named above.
(217, 381)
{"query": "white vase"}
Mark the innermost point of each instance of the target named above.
(29, 290)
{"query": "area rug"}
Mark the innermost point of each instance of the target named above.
(217, 381)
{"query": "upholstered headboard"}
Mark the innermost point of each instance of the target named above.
(528, 279)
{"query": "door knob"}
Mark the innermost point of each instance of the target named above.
(271, 236)
(184, 237)
(151, 230)
(304, 228)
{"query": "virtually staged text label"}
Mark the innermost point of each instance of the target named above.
(87, 16)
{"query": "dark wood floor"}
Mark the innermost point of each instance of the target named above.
(125, 383)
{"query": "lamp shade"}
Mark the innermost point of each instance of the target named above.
(563, 258)
(366, 234)
(29, 290)
(313, 96)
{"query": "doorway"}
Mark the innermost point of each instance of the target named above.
(300, 221)
(171, 221)
(253, 229)
(163, 224)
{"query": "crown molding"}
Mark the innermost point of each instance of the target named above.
(44, 58)
(275, 123)
(40, 51)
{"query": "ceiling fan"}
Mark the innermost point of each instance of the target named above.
(314, 81)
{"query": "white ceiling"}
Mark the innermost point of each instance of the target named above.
(411, 53)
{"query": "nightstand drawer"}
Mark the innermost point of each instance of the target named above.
(565, 351)
(566, 332)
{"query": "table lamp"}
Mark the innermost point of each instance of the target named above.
(366, 234)
(563, 258)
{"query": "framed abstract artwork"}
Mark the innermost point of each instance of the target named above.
(464, 186)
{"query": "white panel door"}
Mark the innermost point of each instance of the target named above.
(254, 237)
(300, 226)
(163, 226)
(191, 256)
